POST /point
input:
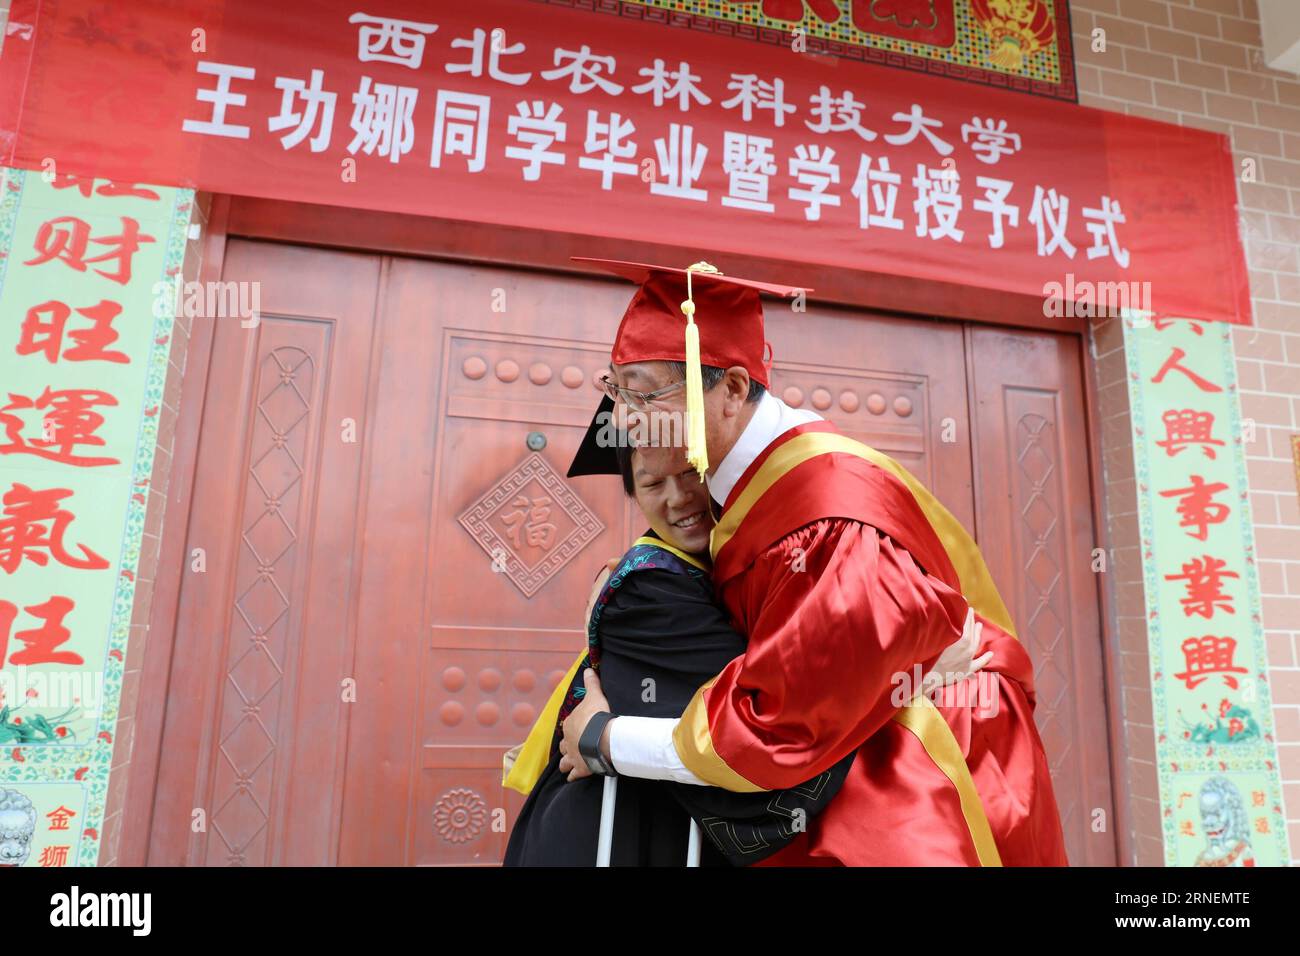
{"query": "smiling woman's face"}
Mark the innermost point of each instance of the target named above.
(673, 497)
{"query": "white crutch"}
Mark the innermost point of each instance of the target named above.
(693, 845)
(605, 842)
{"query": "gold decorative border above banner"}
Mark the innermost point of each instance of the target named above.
(1021, 45)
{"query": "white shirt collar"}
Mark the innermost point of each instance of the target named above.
(772, 418)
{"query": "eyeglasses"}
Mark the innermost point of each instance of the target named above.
(637, 401)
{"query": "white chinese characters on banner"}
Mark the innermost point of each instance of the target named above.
(755, 94)
(877, 193)
(681, 160)
(460, 128)
(674, 162)
(222, 98)
(749, 165)
(384, 40)
(919, 125)
(316, 102)
(538, 127)
(585, 71)
(991, 140)
(611, 139)
(664, 85)
(837, 114)
(994, 203)
(937, 192)
(1048, 214)
(814, 168)
(496, 50)
(381, 120)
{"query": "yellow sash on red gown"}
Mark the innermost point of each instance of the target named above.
(892, 500)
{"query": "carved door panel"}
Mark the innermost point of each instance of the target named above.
(498, 557)
(1035, 518)
(255, 715)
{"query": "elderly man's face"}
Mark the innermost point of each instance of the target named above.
(720, 404)
(650, 377)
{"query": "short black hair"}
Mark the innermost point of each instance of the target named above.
(711, 375)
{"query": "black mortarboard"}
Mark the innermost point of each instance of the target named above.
(592, 458)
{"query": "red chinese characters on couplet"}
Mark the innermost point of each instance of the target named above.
(60, 817)
(32, 527)
(86, 185)
(1198, 509)
(67, 238)
(34, 523)
(1207, 656)
(1204, 582)
(53, 856)
(45, 327)
(1185, 427)
(1174, 364)
(1203, 577)
(41, 643)
(69, 421)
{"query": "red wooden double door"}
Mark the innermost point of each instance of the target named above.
(388, 566)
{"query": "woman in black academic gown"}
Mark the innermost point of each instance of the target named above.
(654, 625)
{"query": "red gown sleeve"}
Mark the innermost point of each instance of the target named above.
(833, 612)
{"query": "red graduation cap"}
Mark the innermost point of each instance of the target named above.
(695, 315)
(728, 312)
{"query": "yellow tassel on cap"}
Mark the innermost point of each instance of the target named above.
(697, 452)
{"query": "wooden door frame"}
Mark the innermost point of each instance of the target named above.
(420, 236)
(160, 638)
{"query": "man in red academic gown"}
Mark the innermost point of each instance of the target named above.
(849, 578)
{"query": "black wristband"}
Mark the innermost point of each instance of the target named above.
(589, 745)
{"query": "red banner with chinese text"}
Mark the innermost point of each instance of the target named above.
(540, 116)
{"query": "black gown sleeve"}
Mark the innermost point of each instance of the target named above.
(656, 628)
(662, 635)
